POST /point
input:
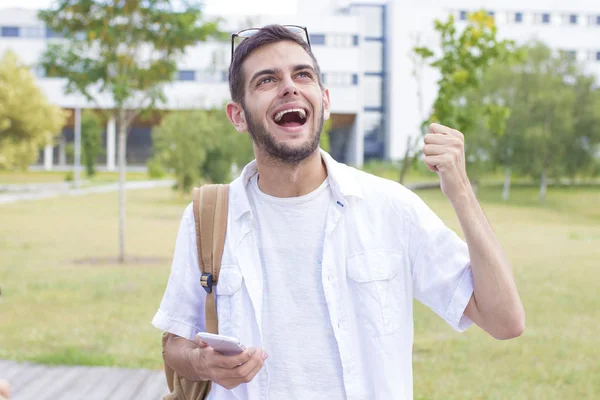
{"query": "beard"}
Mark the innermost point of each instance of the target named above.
(282, 152)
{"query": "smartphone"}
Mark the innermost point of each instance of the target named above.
(225, 345)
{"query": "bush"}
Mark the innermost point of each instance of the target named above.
(199, 146)
(91, 141)
(155, 168)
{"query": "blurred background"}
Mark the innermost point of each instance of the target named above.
(110, 112)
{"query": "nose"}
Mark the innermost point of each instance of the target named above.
(289, 88)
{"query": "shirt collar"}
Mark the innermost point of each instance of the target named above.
(343, 185)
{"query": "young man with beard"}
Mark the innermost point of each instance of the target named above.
(322, 261)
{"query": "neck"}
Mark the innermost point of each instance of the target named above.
(279, 179)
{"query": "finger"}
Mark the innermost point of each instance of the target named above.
(229, 362)
(200, 343)
(434, 161)
(440, 129)
(433, 138)
(242, 371)
(432, 168)
(434, 149)
(253, 373)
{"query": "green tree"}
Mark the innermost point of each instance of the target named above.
(124, 51)
(554, 125)
(464, 58)
(28, 121)
(199, 145)
(91, 140)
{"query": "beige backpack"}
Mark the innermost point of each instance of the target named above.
(210, 215)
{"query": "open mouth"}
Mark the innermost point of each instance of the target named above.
(291, 118)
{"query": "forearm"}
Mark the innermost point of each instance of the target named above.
(496, 298)
(180, 354)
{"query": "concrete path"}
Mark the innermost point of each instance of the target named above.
(40, 382)
(46, 192)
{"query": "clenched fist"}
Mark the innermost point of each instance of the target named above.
(444, 152)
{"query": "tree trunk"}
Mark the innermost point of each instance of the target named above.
(122, 164)
(506, 188)
(543, 186)
(405, 162)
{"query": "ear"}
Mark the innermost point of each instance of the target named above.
(236, 115)
(326, 104)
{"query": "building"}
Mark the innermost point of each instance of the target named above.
(363, 48)
(572, 26)
(202, 79)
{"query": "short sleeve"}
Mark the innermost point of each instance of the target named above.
(181, 310)
(441, 268)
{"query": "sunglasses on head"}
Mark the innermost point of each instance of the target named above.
(246, 33)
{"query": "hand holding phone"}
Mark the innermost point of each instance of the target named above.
(225, 345)
(226, 361)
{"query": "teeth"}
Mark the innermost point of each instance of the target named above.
(280, 114)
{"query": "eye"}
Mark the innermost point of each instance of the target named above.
(267, 79)
(304, 74)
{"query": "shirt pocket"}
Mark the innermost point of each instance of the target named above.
(229, 299)
(375, 279)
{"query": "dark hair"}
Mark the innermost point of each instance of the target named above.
(266, 35)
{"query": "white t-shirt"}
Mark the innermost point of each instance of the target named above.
(298, 336)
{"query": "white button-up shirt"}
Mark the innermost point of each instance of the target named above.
(383, 247)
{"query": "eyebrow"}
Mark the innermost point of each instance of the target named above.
(274, 71)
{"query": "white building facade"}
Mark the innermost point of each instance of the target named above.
(363, 48)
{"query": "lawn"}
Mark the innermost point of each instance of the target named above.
(56, 309)
(29, 177)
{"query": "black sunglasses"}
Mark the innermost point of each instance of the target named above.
(246, 33)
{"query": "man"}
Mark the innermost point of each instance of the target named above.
(321, 260)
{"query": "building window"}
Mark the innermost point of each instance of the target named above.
(573, 19)
(317, 39)
(10, 31)
(187, 75)
(463, 15)
(545, 18)
(572, 55)
(341, 79)
(32, 32)
(339, 40)
(597, 19)
(491, 13)
(519, 17)
(598, 56)
(355, 40)
(50, 34)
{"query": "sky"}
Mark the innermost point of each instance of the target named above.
(215, 7)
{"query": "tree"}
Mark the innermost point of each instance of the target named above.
(199, 145)
(554, 124)
(28, 121)
(124, 51)
(464, 58)
(91, 140)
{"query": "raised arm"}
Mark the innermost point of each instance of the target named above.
(495, 305)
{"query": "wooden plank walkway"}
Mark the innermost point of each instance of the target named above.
(41, 382)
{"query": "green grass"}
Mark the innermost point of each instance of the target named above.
(56, 311)
(7, 177)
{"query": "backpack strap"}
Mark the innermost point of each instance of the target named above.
(210, 215)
